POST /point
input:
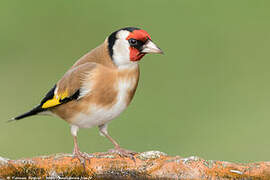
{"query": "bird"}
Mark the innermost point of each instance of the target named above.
(99, 86)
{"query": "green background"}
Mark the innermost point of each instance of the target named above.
(208, 96)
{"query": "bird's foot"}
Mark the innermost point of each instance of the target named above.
(123, 152)
(82, 157)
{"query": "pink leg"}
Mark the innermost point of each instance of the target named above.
(78, 154)
(117, 149)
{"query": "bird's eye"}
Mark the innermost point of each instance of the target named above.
(132, 42)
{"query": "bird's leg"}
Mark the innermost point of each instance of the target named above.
(117, 149)
(76, 151)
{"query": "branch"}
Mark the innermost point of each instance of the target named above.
(147, 165)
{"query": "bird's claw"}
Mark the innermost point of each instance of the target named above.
(82, 157)
(123, 152)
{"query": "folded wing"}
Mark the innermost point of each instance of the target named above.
(67, 89)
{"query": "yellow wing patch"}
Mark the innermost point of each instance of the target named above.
(55, 100)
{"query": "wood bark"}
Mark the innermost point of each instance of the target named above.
(146, 165)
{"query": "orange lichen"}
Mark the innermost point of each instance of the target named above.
(148, 165)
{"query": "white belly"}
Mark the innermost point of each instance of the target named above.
(100, 115)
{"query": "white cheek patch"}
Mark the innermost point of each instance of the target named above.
(121, 49)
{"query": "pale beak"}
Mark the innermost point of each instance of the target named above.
(151, 48)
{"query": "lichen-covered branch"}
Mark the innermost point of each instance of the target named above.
(147, 165)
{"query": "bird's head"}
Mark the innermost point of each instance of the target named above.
(128, 45)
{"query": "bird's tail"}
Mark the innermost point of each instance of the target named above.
(32, 112)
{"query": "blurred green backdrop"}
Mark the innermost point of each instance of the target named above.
(209, 95)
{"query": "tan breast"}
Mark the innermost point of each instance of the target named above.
(111, 91)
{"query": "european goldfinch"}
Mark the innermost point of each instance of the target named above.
(99, 86)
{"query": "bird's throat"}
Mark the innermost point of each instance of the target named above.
(135, 54)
